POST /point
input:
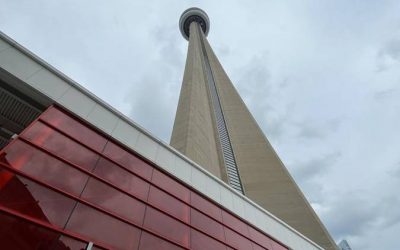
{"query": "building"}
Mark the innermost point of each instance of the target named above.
(77, 174)
(214, 128)
(343, 245)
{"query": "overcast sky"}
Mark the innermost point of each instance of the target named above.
(322, 78)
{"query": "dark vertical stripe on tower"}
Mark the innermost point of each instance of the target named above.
(227, 151)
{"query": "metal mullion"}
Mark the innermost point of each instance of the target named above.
(110, 213)
(100, 178)
(25, 129)
(116, 163)
(32, 220)
(130, 151)
(52, 154)
(102, 210)
(93, 150)
(90, 174)
(69, 136)
(50, 227)
(106, 211)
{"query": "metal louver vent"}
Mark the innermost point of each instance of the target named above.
(3, 141)
(16, 110)
(227, 151)
(15, 115)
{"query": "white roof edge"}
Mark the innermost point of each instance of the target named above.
(123, 117)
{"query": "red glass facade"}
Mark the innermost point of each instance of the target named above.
(64, 184)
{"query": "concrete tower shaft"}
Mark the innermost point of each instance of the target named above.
(214, 128)
(193, 131)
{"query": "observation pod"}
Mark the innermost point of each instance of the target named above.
(193, 15)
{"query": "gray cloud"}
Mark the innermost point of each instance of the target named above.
(308, 130)
(385, 94)
(351, 214)
(391, 49)
(388, 55)
(307, 71)
(260, 94)
(315, 167)
(308, 174)
(354, 214)
(154, 108)
(394, 172)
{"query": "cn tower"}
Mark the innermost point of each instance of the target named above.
(215, 129)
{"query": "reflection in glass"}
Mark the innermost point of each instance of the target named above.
(167, 226)
(44, 167)
(128, 160)
(29, 198)
(60, 145)
(103, 228)
(122, 179)
(74, 128)
(115, 201)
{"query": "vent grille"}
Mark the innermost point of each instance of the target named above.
(227, 151)
(15, 115)
(16, 110)
(3, 142)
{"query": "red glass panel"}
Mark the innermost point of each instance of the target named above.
(260, 238)
(169, 204)
(206, 224)
(128, 160)
(167, 226)
(44, 167)
(257, 247)
(236, 224)
(170, 185)
(113, 200)
(19, 234)
(71, 244)
(122, 178)
(74, 128)
(201, 241)
(151, 242)
(103, 228)
(61, 145)
(97, 248)
(206, 206)
(31, 199)
(236, 240)
(277, 246)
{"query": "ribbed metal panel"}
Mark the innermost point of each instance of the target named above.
(3, 142)
(15, 115)
(227, 151)
(16, 110)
